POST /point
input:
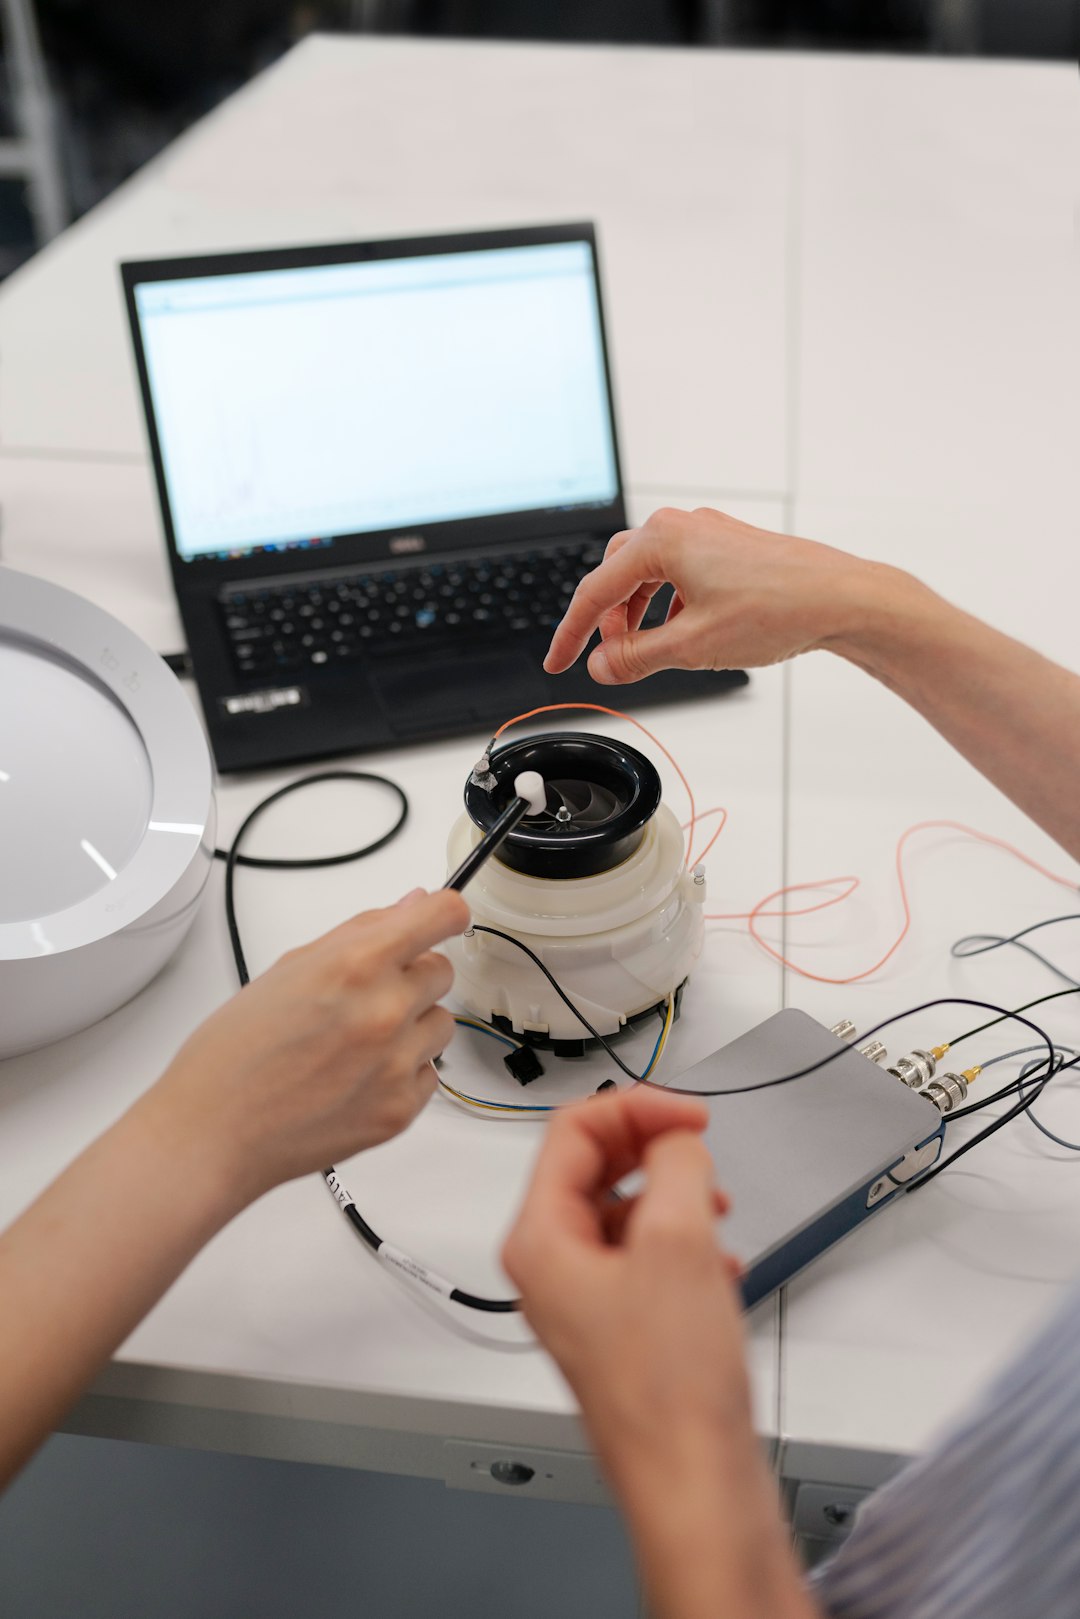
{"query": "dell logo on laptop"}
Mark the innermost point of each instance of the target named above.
(406, 544)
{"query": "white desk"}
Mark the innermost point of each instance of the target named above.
(840, 300)
(284, 1338)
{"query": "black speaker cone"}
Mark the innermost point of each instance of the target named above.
(601, 795)
(572, 805)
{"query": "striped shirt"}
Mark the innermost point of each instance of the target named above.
(987, 1524)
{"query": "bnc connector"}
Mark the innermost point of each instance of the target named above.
(916, 1069)
(947, 1092)
(844, 1030)
(874, 1051)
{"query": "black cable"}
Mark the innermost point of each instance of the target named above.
(1055, 995)
(564, 997)
(233, 858)
(984, 942)
(800, 1073)
(1017, 1086)
(1022, 1080)
(991, 1129)
(1012, 1088)
(860, 1039)
(1024, 1105)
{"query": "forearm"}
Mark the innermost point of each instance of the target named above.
(86, 1261)
(1013, 713)
(709, 1537)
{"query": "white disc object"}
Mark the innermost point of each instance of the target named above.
(618, 942)
(106, 813)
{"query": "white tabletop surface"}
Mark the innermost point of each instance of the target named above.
(285, 1314)
(841, 300)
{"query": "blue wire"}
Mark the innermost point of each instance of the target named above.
(649, 1065)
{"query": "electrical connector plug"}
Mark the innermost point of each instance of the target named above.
(524, 1064)
(946, 1092)
(873, 1050)
(916, 1069)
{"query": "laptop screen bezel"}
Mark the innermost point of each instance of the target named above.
(372, 547)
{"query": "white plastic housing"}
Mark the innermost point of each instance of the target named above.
(106, 813)
(618, 942)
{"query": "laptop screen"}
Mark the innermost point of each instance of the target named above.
(297, 405)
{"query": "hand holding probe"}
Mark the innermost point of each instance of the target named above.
(530, 799)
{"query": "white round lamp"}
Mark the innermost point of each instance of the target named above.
(107, 815)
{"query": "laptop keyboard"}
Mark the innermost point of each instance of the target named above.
(297, 624)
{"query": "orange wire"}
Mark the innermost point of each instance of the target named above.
(805, 910)
(598, 708)
(920, 826)
(691, 827)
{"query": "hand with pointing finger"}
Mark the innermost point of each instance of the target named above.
(744, 597)
(327, 1052)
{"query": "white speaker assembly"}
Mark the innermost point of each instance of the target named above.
(596, 886)
(107, 815)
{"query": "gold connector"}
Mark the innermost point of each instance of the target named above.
(972, 1074)
(937, 1052)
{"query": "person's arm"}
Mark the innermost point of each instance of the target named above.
(327, 1053)
(638, 1305)
(746, 597)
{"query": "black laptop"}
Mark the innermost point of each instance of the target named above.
(383, 468)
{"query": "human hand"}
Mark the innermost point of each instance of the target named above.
(744, 597)
(635, 1299)
(328, 1052)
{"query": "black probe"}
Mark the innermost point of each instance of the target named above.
(530, 798)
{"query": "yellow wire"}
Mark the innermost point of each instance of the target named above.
(489, 1028)
(519, 1108)
(668, 1020)
(490, 1107)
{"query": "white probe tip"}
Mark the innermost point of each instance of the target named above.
(530, 786)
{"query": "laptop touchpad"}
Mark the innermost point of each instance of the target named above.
(432, 689)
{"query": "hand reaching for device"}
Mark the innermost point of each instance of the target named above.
(329, 1051)
(637, 1303)
(635, 1299)
(743, 597)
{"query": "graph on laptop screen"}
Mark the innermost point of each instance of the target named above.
(295, 405)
